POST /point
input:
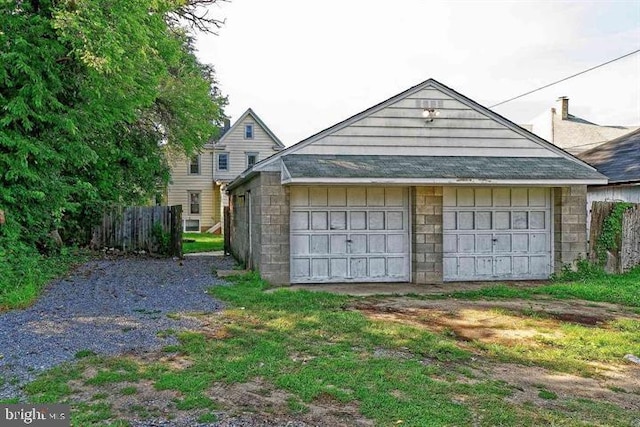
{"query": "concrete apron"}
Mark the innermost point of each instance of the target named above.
(368, 289)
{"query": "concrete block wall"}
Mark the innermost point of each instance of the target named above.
(274, 247)
(570, 225)
(239, 238)
(426, 236)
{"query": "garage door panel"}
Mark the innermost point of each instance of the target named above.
(449, 267)
(300, 220)
(353, 234)
(520, 265)
(482, 221)
(320, 267)
(396, 243)
(299, 196)
(300, 268)
(502, 265)
(338, 220)
(300, 244)
(482, 197)
(337, 196)
(465, 221)
(376, 220)
(397, 267)
(450, 243)
(538, 197)
(537, 221)
(395, 221)
(358, 220)
(484, 266)
(502, 220)
(501, 197)
(377, 267)
(377, 243)
(520, 220)
(511, 230)
(319, 220)
(318, 196)
(394, 197)
(375, 196)
(466, 243)
(358, 244)
(465, 197)
(520, 242)
(502, 243)
(338, 243)
(484, 243)
(449, 220)
(539, 243)
(319, 244)
(359, 268)
(338, 268)
(356, 196)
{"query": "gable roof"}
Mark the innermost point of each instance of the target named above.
(270, 163)
(257, 119)
(308, 168)
(429, 83)
(618, 159)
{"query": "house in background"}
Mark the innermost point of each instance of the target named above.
(572, 134)
(198, 183)
(619, 160)
(427, 186)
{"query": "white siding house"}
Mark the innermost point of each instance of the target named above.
(198, 184)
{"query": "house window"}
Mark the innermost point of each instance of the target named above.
(223, 161)
(252, 159)
(192, 225)
(194, 202)
(248, 131)
(194, 165)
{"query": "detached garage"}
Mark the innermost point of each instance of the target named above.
(427, 186)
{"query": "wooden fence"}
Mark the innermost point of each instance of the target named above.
(154, 229)
(627, 254)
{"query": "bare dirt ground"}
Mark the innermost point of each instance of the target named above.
(502, 322)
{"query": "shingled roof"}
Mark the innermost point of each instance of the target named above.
(435, 167)
(618, 159)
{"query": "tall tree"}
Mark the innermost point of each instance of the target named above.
(88, 90)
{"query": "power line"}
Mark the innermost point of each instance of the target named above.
(566, 78)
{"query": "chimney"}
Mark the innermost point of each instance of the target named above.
(227, 126)
(563, 102)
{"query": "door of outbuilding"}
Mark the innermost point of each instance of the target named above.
(349, 234)
(496, 233)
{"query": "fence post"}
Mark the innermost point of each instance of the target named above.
(227, 230)
(176, 231)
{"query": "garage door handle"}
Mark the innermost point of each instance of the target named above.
(495, 240)
(349, 241)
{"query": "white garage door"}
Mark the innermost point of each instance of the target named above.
(349, 234)
(496, 233)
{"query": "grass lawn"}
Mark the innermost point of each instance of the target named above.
(292, 355)
(618, 289)
(201, 242)
(23, 275)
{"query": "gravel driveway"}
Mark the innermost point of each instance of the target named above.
(109, 307)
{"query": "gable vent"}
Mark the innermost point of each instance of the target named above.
(432, 103)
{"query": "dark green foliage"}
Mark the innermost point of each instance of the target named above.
(93, 96)
(609, 238)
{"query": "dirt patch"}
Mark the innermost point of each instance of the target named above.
(513, 322)
(262, 399)
(620, 387)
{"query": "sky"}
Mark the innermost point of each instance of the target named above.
(305, 65)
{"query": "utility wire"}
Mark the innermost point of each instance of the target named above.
(566, 78)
